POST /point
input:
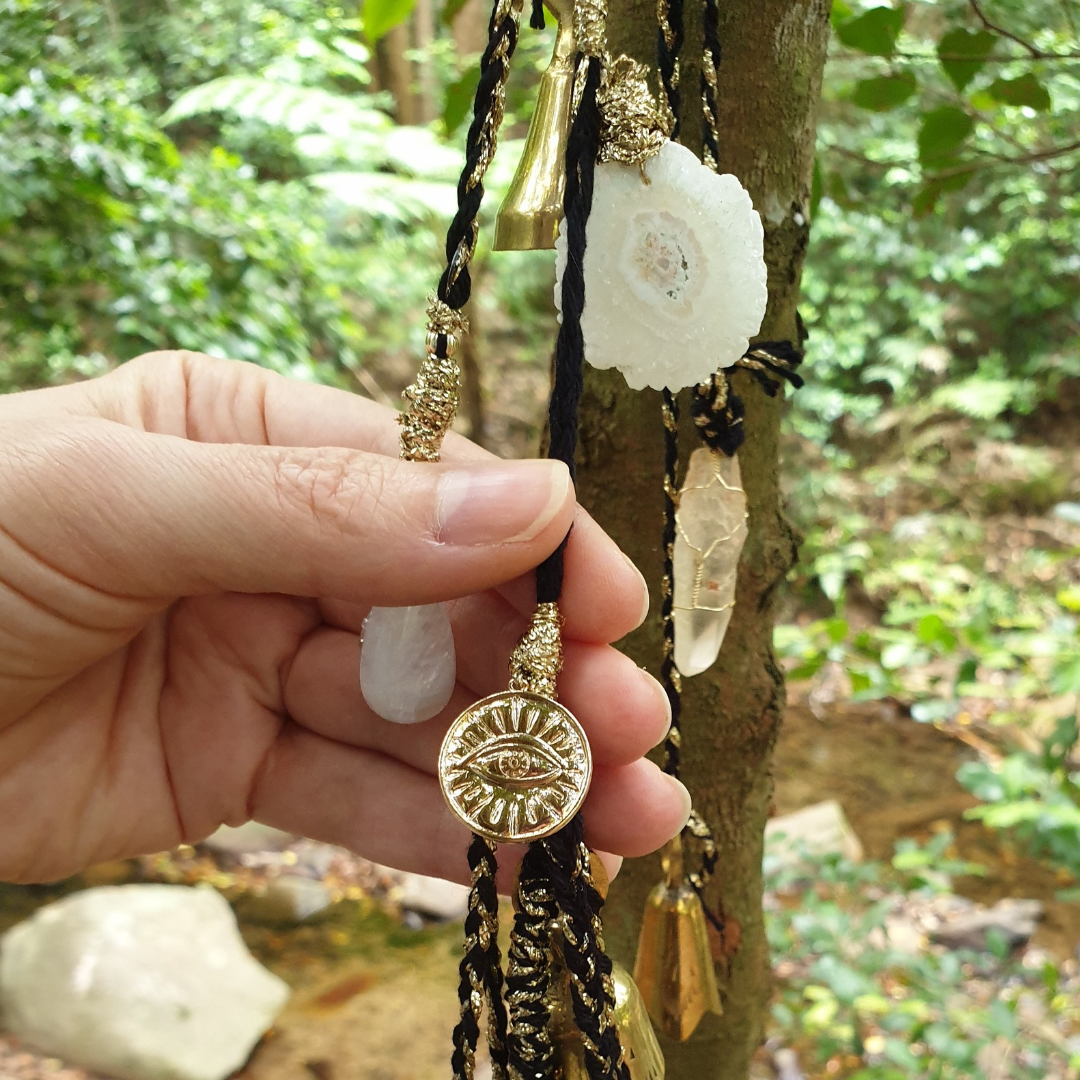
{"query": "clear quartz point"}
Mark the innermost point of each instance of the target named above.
(709, 536)
(407, 662)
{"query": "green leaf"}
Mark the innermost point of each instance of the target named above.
(459, 99)
(884, 93)
(840, 12)
(932, 630)
(381, 16)
(1025, 90)
(963, 53)
(942, 133)
(874, 32)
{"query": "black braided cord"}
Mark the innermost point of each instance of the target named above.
(480, 970)
(669, 43)
(455, 285)
(592, 990)
(669, 673)
(581, 150)
(532, 1056)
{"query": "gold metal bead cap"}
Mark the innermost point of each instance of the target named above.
(515, 767)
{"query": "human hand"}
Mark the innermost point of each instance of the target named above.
(188, 548)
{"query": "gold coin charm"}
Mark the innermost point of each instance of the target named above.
(515, 767)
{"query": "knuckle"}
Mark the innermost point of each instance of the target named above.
(337, 489)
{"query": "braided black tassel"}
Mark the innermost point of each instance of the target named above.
(528, 973)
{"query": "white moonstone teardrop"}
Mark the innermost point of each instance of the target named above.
(709, 536)
(407, 662)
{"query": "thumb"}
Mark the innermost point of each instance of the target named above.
(149, 515)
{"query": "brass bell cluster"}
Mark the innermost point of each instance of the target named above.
(674, 967)
(531, 212)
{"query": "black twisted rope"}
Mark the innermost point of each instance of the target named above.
(710, 68)
(581, 149)
(669, 43)
(532, 1055)
(478, 981)
(455, 285)
(591, 987)
(669, 673)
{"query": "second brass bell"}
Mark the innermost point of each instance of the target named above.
(532, 209)
(674, 967)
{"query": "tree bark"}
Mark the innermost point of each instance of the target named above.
(769, 83)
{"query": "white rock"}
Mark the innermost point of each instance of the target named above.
(407, 662)
(433, 897)
(709, 537)
(821, 829)
(251, 838)
(140, 982)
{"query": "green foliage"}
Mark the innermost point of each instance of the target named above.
(1036, 797)
(873, 32)
(963, 54)
(381, 16)
(853, 1004)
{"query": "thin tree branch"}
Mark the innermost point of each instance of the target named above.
(1031, 50)
(1000, 159)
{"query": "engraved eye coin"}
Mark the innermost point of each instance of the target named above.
(515, 767)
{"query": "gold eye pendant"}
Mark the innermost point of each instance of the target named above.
(515, 767)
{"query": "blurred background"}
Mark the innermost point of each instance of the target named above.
(271, 181)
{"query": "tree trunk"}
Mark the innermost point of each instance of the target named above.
(770, 79)
(395, 72)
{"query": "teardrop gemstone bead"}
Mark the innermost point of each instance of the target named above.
(407, 662)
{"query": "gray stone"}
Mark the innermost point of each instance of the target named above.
(288, 899)
(1014, 920)
(431, 896)
(821, 829)
(140, 982)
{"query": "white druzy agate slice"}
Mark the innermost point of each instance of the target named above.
(407, 662)
(709, 536)
(675, 281)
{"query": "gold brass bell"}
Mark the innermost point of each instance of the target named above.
(532, 209)
(674, 967)
(641, 1051)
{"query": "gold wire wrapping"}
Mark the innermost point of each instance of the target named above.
(663, 20)
(632, 128)
(431, 400)
(590, 27)
(489, 133)
(538, 658)
(708, 72)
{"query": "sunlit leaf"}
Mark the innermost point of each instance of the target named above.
(1025, 90)
(381, 16)
(885, 92)
(963, 54)
(874, 32)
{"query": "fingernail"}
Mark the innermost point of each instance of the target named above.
(688, 804)
(644, 588)
(664, 698)
(499, 504)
